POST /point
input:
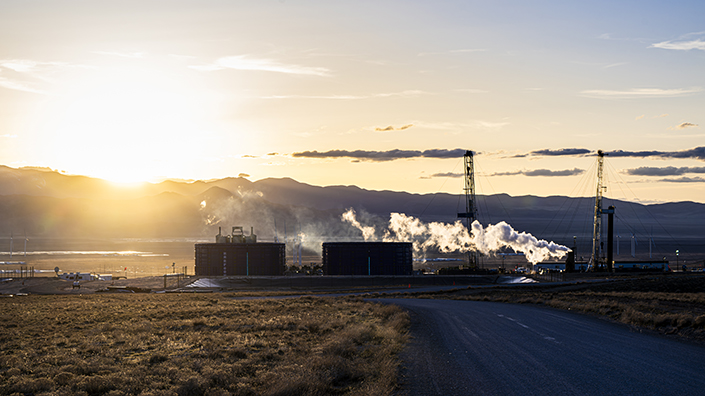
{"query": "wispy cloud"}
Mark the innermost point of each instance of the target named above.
(8, 136)
(664, 171)
(403, 94)
(20, 86)
(31, 66)
(134, 55)
(392, 128)
(29, 76)
(611, 65)
(542, 173)
(380, 156)
(686, 42)
(245, 62)
(640, 93)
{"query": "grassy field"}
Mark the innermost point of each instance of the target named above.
(171, 344)
(669, 304)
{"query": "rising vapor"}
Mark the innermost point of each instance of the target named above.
(368, 232)
(455, 237)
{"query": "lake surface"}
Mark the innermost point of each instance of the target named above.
(129, 257)
(120, 257)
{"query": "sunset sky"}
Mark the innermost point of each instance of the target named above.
(379, 94)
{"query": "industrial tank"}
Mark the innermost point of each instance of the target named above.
(239, 255)
(367, 258)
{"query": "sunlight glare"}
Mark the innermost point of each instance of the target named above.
(126, 128)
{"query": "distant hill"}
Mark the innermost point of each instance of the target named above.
(42, 202)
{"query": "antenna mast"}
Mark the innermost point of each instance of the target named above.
(470, 208)
(597, 224)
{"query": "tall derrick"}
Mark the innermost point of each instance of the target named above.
(470, 206)
(598, 211)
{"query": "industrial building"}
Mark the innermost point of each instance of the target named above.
(367, 258)
(238, 254)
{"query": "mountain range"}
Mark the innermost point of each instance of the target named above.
(43, 202)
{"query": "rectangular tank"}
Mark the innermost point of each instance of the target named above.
(240, 259)
(367, 258)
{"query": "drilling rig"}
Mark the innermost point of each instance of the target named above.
(595, 260)
(470, 213)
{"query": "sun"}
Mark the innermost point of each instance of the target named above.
(125, 127)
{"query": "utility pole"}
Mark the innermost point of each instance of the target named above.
(470, 213)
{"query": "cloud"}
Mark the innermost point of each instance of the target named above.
(542, 173)
(613, 65)
(404, 94)
(20, 86)
(272, 153)
(685, 125)
(244, 62)
(639, 117)
(695, 153)
(391, 128)
(35, 67)
(447, 174)
(680, 45)
(8, 136)
(664, 171)
(555, 153)
(243, 175)
(28, 75)
(684, 180)
(640, 93)
(380, 156)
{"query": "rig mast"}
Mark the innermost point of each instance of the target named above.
(597, 224)
(470, 207)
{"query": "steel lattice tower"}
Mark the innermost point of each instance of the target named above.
(470, 207)
(597, 224)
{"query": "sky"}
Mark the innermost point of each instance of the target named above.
(385, 95)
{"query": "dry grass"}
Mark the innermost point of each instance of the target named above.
(667, 304)
(158, 344)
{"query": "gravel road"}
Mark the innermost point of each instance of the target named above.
(484, 348)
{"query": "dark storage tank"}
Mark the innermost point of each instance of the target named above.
(367, 258)
(246, 259)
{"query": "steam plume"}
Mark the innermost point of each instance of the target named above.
(455, 237)
(502, 234)
(367, 231)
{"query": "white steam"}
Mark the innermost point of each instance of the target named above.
(502, 234)
(368, 232)
(455, 237)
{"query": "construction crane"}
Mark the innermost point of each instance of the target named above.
(470, 213)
